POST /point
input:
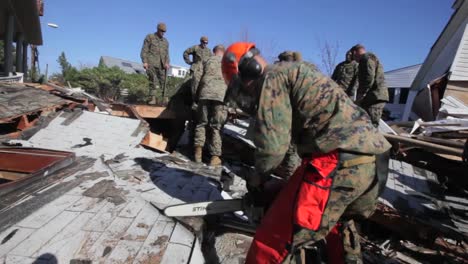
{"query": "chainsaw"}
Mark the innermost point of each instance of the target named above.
(242, 208)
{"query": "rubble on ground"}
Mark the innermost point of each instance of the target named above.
(95, 176)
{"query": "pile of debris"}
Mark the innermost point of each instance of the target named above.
(83, 181)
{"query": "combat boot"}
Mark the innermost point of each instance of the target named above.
(198, 154)
(153, 100)
(215, 161)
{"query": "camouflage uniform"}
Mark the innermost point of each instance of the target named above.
(345, 75)
(291, 160)
(155, 52)
(297, 102)
(372, 93)
(211, 111)
(199, 56)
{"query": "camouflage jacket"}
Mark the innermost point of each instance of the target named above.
(372, 88)
(212, 85)
(155, 51)
(345, 75)
(199, 55)
(297, 101)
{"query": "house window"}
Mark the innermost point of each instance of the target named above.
(391, 95)
(180, 73)
(404, 95)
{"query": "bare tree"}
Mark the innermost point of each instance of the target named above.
(328, 55)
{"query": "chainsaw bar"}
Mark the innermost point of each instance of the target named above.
(204, 208)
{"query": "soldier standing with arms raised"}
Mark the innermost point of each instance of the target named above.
(200, 53)
(155, 57)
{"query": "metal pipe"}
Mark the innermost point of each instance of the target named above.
(425, 145)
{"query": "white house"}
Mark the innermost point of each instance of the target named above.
(136, 67)
(399, 84)
(441, 64)
(178, 71)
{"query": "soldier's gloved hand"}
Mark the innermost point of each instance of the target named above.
(194, 106)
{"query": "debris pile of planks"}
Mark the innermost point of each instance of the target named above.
(27, 108)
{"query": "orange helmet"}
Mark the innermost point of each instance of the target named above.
(232, 57)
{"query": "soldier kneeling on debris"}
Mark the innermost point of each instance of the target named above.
(343, 158)
(211, 111)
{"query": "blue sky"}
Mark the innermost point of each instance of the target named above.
(400, 32)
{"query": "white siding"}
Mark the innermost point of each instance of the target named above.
(459, 70)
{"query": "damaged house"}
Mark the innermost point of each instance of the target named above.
(443, 73)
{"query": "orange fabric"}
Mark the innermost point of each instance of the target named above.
(313, 194)
(231, 59)
(296, 204)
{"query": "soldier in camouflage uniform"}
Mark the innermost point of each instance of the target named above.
(200, 53)
(372, 92)
(211, 113)
(346, 74)
(295, 101)
(155, 57)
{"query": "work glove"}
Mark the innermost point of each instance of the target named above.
(194, 106)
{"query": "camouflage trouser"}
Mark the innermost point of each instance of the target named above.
(375, 112)
(156, 77)
(196, 76)
(353, 195)
(212, 115)
(289, 164)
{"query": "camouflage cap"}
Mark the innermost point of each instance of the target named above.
(286, 56)
(204, 39)
(162, 27)
(218, 47)
(297, 56)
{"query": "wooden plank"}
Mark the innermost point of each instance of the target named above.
(87, 242)
(176, 253)
(109, 239)
(133, 208)
(156, 243)
(87, 204)
(147, 111)
(12, 237)
(124, 252)
(64, 245)
(142, 224)
(12, 176)
(182, 235)
(104, 217)
(39, 238)
(48, 212)
(197, 255)
(11, 259)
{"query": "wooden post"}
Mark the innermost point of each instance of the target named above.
(25, 60)
(8, 49)
(19, 52)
